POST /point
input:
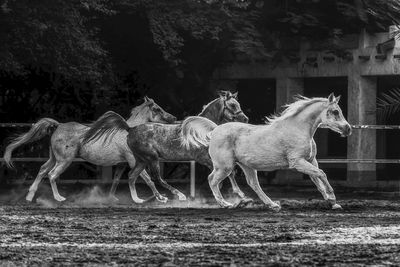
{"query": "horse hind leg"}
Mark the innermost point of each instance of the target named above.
(133, 175)
(59, 168)
(145, 176)
(244, 200)
(155, 169)
(252, 180)
(214, 180)
(44, 170)
(118, 173)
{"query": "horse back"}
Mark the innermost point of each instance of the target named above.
(153, 141)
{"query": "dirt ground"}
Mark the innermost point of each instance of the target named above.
(90, 230)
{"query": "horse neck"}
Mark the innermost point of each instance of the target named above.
(140, 118)
(310, 119)
(212, 111)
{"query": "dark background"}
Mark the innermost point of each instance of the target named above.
(74, 60)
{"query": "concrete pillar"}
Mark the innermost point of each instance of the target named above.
(362, 143)
(286, 88)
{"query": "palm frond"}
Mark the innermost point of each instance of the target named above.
(388, 104)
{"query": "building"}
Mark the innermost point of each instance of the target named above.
(370, 65)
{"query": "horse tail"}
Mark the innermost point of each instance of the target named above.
(108, 124)
(195, 131)
(40, 129)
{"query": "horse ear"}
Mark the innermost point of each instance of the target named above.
(337, 99)
(331, 98)
(222, 94)
(235, 95)
(148, 100)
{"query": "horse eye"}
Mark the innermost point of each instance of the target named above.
(335, 112)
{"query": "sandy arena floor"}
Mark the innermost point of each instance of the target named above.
(305, 232)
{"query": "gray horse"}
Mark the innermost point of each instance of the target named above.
(154, 141)
(66, 145)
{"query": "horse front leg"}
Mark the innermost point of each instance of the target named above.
(318, 177)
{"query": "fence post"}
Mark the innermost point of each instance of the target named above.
(192, 179)
(106, 174)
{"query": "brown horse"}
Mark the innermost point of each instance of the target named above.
(154, 141)
(66, 144)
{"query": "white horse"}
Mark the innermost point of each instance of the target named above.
(285, 142)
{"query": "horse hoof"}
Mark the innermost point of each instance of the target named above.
(60, 198)
(245, 201)
(336, 207)
(227, 205)
(30, 196)
(276, 207)
(181, 197)
(138, 200)
(114, 198)
(162, 199)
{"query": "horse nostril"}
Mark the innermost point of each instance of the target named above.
(349, 130)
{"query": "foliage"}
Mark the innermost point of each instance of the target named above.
(388, 104)
(51, 35)
(82, 56)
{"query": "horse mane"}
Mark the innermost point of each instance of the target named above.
(137, 110)
(205, 107)
(300, 104)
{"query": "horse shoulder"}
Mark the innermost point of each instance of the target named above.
(302, 149)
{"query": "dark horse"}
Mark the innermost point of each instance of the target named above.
(154, 141)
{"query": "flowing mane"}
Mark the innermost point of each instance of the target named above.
(301, 103)
(137, 110)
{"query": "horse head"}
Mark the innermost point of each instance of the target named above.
(231, 110)
(332, 117)
(155, 113)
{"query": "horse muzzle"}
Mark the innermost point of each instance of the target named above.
(170, 119)
(346, 130)
(242, 118)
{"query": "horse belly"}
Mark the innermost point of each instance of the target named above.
(104, 155)
(261, 157)
(174, 151)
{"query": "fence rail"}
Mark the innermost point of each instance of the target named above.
(366, 161)
(354, 126)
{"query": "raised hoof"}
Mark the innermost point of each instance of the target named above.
(336, 207)
(162, 199)
(181, 196)
(59, 198)
(29, 196)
